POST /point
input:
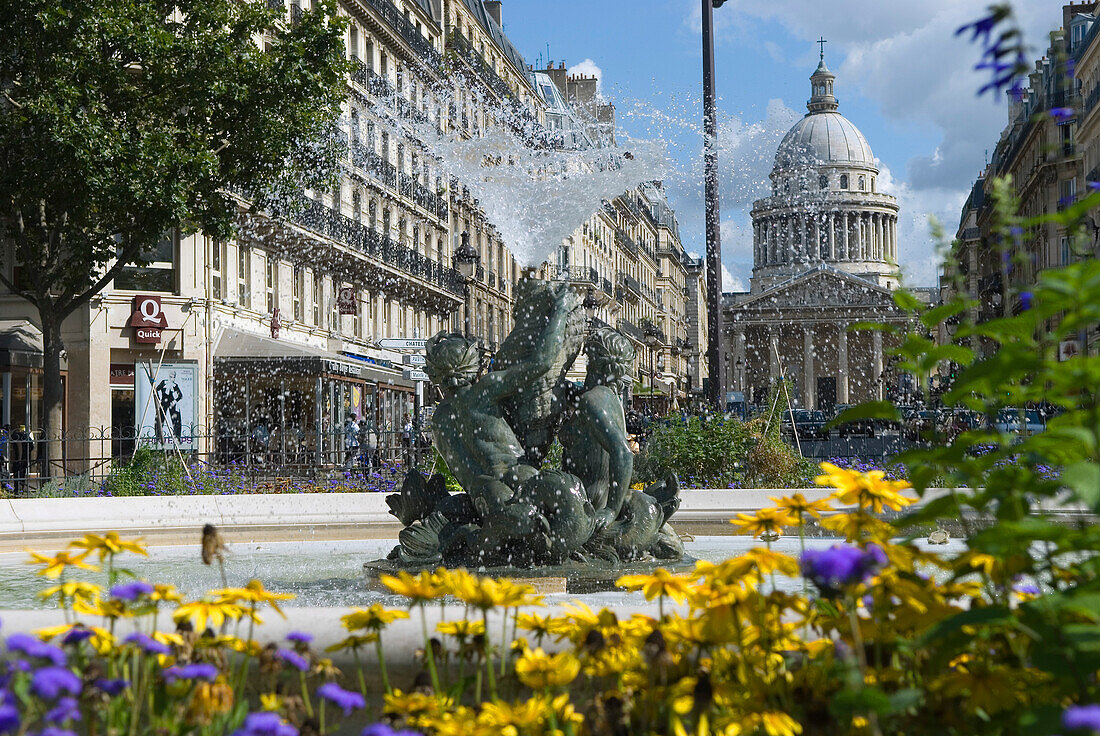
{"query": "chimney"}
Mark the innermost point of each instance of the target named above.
(492, 7)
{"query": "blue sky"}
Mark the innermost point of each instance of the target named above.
(903, 79)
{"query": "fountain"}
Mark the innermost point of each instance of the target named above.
(581, 522)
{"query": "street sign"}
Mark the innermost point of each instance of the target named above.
(414, 359)
(412, 374)
(402, 343)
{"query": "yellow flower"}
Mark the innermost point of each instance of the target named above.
(208, 700)
(764, 520)
(461, 629)
(660, 583)
(353, 642)
(56, 565)
(254, 594)
(74, 590)
(101, 639)
(165, 592)
(271, 701)
(419, 588)
(869, 490)
(798, 507)
(538, 671)
(858, 524)
(482, 593)
(203, 611)
(514, 595)
(773, 722)
(109, 544)
(538, 625)
(374, 618)
(168, 637)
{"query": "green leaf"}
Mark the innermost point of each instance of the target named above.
(907, 301)
(988, 616)
(1084, 479)
(867, 410)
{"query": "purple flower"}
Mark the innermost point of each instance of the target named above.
(198, 671)
(981, 28)
(132, 590)
(35, 647)
(9, 718)
(265, 724)
(1025, 300)
(1082, 717)
(111, 687)
(382, 729)
(55, 731)
(1062, 114)
(299, 637)
(1093, 185)
(841, 566)
(49, 682)
(293, 658)
(66, 709)
(345, 700)
(147, 643)
(76, 635)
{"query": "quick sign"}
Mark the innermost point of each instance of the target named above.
(346, 300)
(148, 319)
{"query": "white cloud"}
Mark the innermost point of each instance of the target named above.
(731, 282)
(589, 69)
(905, 57)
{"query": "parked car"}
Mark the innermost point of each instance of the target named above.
(921, 423)
(809, 423)
(1019, 421)
(856, 428)
(953, 423)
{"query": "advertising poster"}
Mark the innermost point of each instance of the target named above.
(164, 405)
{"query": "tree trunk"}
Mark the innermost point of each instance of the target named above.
(52, 390)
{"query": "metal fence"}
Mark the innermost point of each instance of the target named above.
(193, 459)
(870, 448)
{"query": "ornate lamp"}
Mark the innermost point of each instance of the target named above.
(590, 304)
(466, 258)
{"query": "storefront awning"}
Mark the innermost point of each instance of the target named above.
(21, 344)
(265, 355)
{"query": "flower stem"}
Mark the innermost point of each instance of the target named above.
(429, 655)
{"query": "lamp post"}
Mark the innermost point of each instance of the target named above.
(652, 337)
(740, 385)
(590, 304)
(466, 260)
(710, 178)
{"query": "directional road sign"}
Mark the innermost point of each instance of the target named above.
(402, 343)
(412, 374)
(414, 359)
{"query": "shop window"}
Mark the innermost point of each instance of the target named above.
(271, 283)
(298, 286)
(244, 266)
(159, 273)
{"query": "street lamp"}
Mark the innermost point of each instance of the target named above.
(740, 386)
(590, 304)
(652, 337)
(466, 260)
(713, 220)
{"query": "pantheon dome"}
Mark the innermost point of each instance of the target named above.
(825, 206)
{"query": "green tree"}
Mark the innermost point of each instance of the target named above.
(122, 120)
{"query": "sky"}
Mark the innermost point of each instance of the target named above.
(903, 78)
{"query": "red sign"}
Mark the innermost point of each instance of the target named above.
(122, 374)
(347, 301)
(148, 317)
(276, 323)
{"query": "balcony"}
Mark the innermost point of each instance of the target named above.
(630, 285)
(577, 274)
(422, 47)
(626, 242)
(465, 51)
(631, 330)
(321, 219)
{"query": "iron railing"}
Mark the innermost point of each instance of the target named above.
(396, 20)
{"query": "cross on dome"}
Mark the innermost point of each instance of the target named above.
(821, 42)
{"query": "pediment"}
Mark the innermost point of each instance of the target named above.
(822, 288)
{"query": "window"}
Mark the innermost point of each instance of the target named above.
(862, 183)
(872, 184)
(217, 274)
(353, 43)
(271, 279)
(298, 286)
(1067, 193)
(160, 272)
(244, 267)
(823, 182)
(356, 206)
(318, 288)
(334, 311)
(843, 181)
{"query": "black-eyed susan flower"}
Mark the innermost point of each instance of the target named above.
(54, 566)
(767, 520)
(539, 670)
(109, 544)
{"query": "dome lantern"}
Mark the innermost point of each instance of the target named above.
(821, 87)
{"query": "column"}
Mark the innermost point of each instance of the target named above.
(832, 236)
(876, 362)
(880, 237)
(894, 238)
(773, 355)
(808, 379)
(739, 354)
(845, 237)
(842, 364)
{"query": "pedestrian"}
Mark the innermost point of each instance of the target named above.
(406, 437)
(351, 440)
(368, 444)
(261, 438)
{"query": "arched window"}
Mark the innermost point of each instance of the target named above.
(862, 183)
(823, 182)
(843, 181)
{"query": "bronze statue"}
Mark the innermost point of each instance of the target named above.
(493, 431)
